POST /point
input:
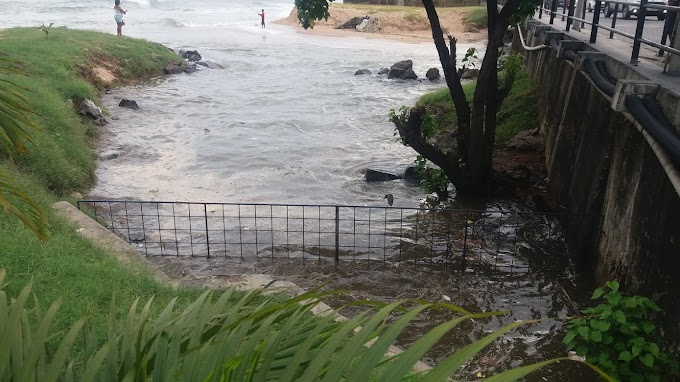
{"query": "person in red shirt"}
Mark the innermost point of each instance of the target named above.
(262, 15)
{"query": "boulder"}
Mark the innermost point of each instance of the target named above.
(379, 176)
(351, 23)
(383, 71)
(109, 155)
(174, 67)
(190, 68)
(432, 74)
(399, 68)
(411, 175)
(409, 75)
(129, 104)
(361, 72)
(190, 55)
(209, 64)
(89, 109)
(469, 74)
(369, 25)
(528, 140)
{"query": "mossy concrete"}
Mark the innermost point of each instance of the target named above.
(624, 210)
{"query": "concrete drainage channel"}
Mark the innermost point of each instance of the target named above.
(127, 255)
(549, 291)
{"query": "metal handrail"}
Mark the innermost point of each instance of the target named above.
(568, 13)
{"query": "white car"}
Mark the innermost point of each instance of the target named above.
(633, 7)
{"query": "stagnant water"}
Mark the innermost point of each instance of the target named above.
(287, 121)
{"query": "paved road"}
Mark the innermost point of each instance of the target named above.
(652, 30)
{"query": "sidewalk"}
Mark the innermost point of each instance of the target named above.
(620, 48)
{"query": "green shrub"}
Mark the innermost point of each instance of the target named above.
(618, 335)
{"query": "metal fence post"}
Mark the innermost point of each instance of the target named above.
(596, 21)
(465, 237)
(638, 32)
(570, 14)
(337, 234)
(553, 10)
(615, 17)
(207, 236)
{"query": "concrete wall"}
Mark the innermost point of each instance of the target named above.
(626, 222)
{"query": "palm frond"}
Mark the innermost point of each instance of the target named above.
(31, 214)
(231, 338)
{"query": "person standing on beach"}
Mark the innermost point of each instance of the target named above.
(262, 15)
(118, 13)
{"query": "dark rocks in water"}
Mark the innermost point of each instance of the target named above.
(351, 23)
(399, 68)
(362, 72)
(190, 55)
(137, 237)
(191, 68)
(469, 74)
(210, 64)
(411, 175)
(109, 155)
(379, 176)
(383, 71)
(528, 140)
(433, 74)
(174, 67)
(409, 75)
(129, 104)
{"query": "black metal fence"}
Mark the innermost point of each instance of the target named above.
(505, 240)
(612, 8)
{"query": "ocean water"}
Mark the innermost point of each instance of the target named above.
(286, 121)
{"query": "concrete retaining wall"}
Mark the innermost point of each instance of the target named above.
(601, 167)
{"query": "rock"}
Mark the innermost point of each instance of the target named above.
(528, 140)
(129, 104)
(137, 237)
(351, 23)
(89, 109)
(191, 68)
(469, 74)
(369, 25)
(101, 121)
(210, 64)
(519, 173)
(77, 195)
(362, 72)
(173, 68)
(411, 175)
(379, 176)
(399, 68)
(383, 71)
(110, 154)
(409, 75)
(432, 74)
(190, 55)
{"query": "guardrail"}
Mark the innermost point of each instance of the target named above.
(503, 240)
(638, 40)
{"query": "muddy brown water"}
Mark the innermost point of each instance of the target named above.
(549, 295)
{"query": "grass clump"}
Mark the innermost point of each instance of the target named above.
(519, 110)
(475, 18)
(60, 160)
(64, 68)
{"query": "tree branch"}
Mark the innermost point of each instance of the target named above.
(411, 134)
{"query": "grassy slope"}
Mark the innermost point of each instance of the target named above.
(60, 160)
(517, 113)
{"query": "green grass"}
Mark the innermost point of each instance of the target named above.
(518, 112)
(60, 160)
(57, 71)
(475, 18)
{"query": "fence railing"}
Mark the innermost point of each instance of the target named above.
(505, 240)
(669, 15)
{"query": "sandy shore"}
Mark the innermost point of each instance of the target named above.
(408, 24)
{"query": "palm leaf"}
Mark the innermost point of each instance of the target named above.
(31, 214)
